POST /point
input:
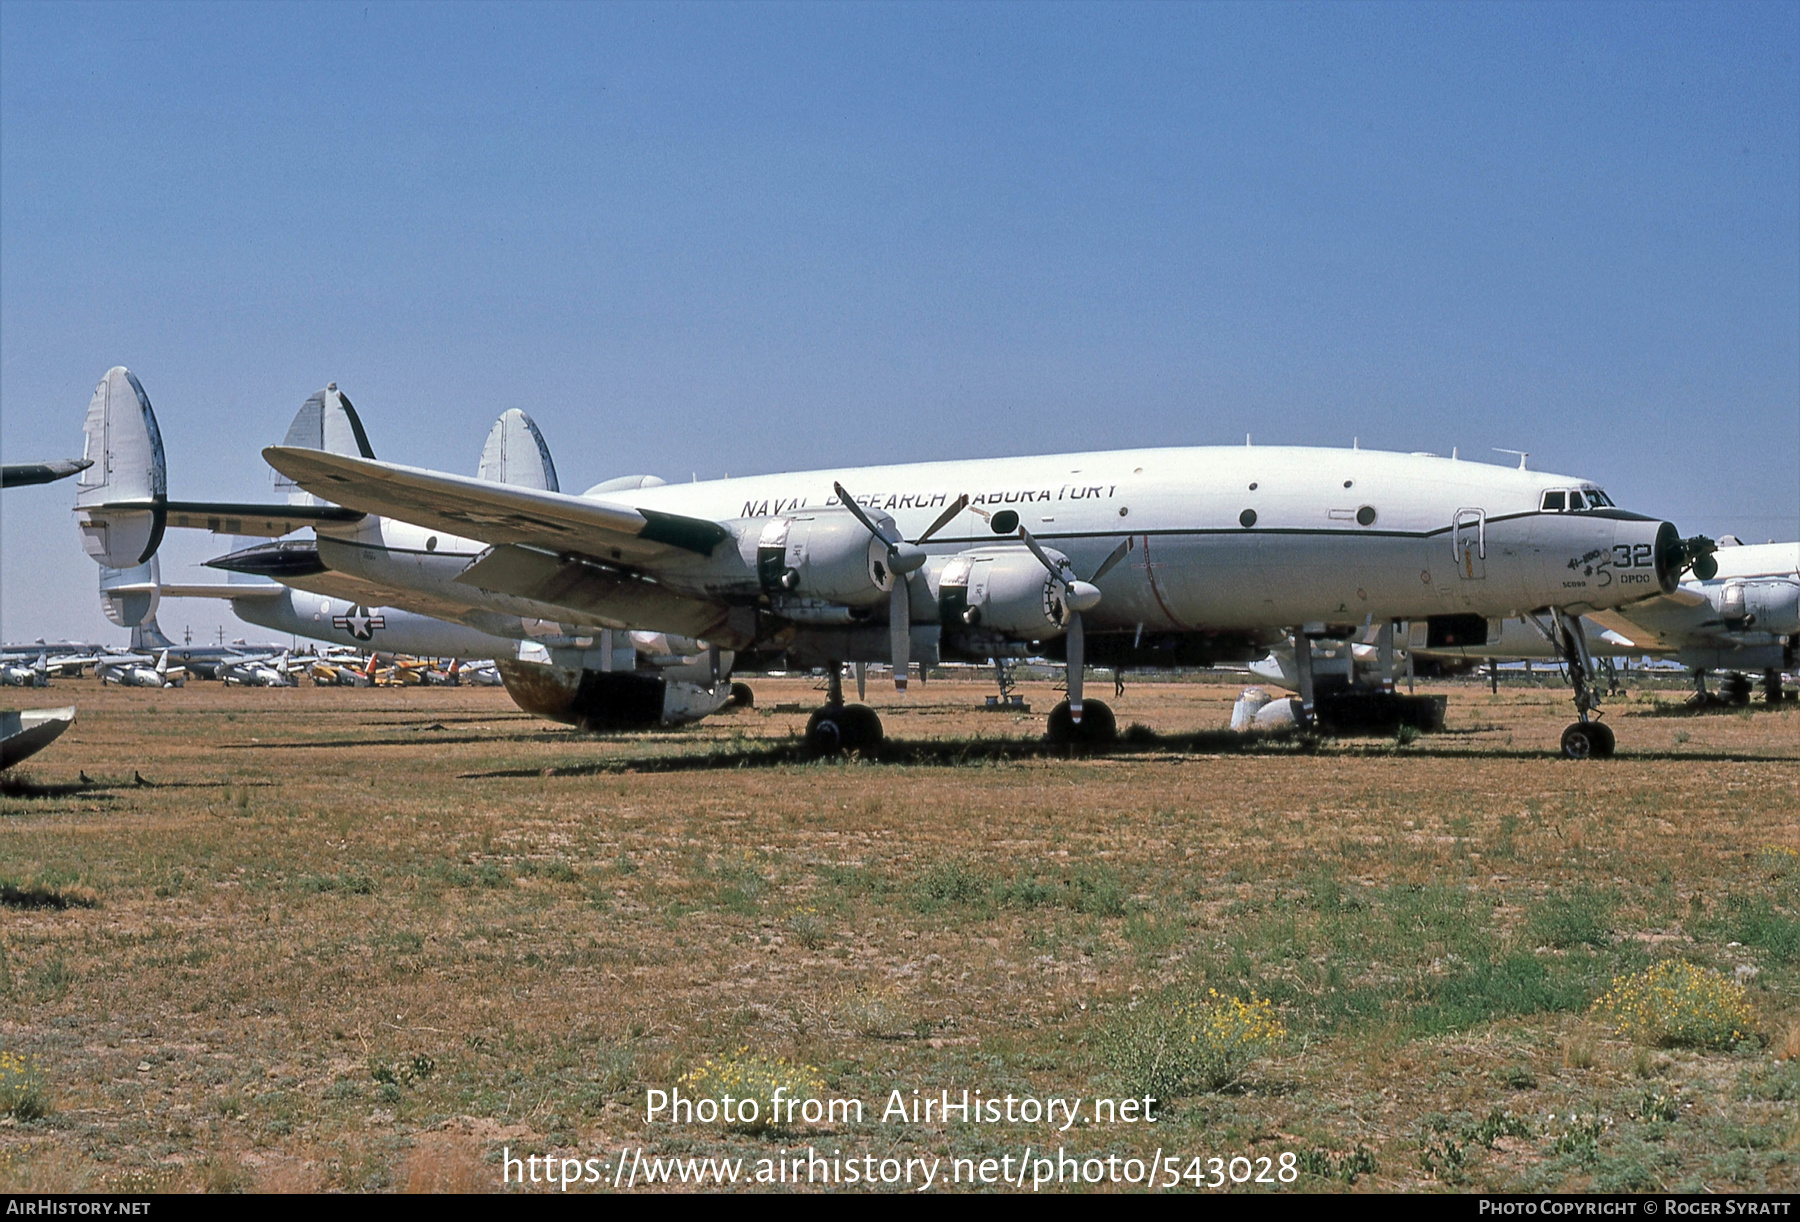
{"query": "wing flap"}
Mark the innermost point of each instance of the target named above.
(614, 596)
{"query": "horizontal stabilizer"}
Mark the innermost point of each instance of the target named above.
(220, 589)
(264, 521)
(221, 518)
(21, 474)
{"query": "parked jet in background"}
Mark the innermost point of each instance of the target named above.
(19, 674)
(131, 671)
(258, 672)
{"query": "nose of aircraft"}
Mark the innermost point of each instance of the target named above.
(1676, 556)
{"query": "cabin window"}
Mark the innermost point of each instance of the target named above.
(1553, 502)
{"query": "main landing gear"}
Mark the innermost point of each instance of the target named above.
(1588, 738)
(1097, 724)
(1772, 691)
(839, 726)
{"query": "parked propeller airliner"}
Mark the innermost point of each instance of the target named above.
(1141, 557)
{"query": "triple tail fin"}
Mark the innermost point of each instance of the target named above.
(121, 498)
(515, 454)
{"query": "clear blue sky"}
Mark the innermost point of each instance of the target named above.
(734, 239)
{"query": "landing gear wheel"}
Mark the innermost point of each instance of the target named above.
(1584, 740)
(846, 727)
(1772, 687)
(1734, 689)
(741, 697)
(1097, 724)
(865, 727)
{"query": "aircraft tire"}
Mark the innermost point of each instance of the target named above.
(1583, 740)
(866, 732)
(1734, 689)
(845, 727)
(1772, 691)
(1604, 742)
(1098, 726)
(742, 697)
(825, 730)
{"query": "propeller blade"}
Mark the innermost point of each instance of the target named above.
(900, 631)
(903, 557)
(1077, 643)
(944, 519)
(857, 511)
(1038, 551)
(1118, 554)
(862, 680)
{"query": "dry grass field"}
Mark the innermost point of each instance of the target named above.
(329, 939)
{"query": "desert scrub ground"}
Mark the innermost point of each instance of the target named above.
(361, 940)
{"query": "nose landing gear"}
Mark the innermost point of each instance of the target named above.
(1588, 738)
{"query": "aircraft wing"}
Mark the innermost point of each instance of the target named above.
(498, 513)
(1664, 624)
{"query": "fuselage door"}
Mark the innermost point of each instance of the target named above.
(1468, 543)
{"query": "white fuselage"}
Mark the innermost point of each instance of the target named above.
(1338, 536)
(1751, 609)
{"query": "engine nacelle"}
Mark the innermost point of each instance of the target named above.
(1767, 606)
(828, 557)
(1003, 591)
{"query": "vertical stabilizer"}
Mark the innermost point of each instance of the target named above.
(120, 499)
(149, 635)
(515, 454)
(130, 596)
(327, 421)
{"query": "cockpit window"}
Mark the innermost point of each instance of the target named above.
(1598, 499)
(1575, 501)
(1553, 502)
